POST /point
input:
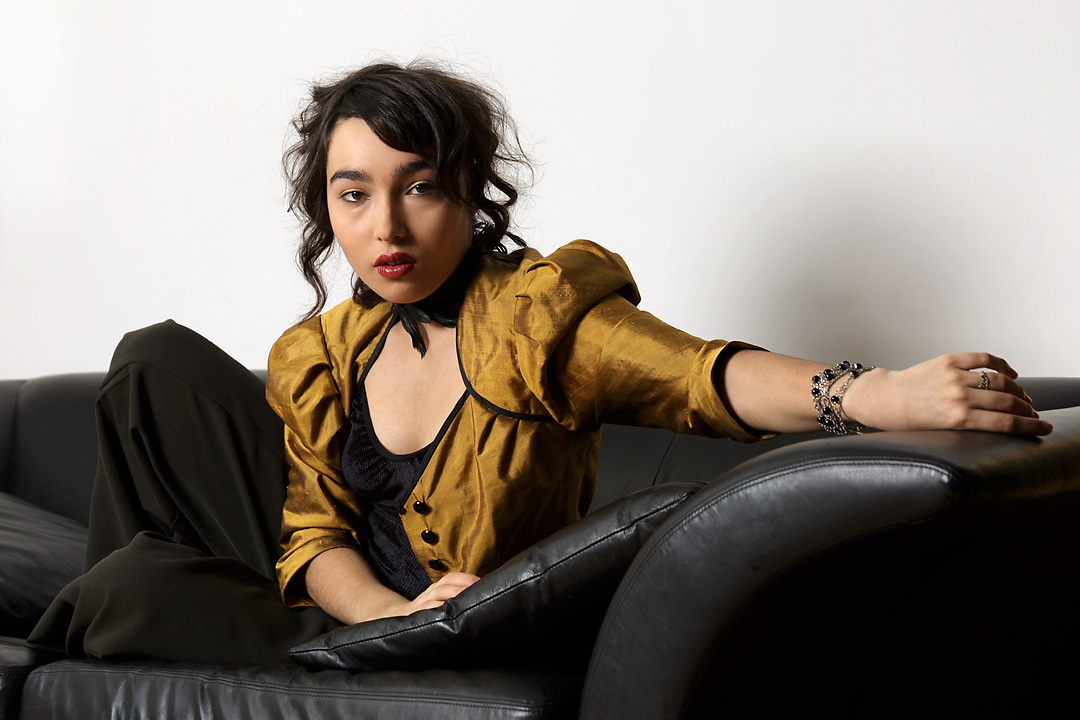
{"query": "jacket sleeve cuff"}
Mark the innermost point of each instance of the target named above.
(709, 394)
(291, 566)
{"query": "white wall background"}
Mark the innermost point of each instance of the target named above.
(880, 180)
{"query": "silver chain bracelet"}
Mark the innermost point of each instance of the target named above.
(829, 404)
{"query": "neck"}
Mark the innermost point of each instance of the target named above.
(441, 307)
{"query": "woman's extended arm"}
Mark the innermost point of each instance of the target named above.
(342, 583)
(771, 392)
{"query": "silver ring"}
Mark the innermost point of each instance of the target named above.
(984, 381)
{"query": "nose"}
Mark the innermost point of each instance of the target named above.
(389, 225)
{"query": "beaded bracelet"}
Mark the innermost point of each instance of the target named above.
(829, 404)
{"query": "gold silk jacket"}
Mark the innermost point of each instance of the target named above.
(549, 350)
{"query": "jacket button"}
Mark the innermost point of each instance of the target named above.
(421, 507)
(429, 537)
(437, 565)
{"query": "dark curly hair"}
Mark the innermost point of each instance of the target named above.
(460, 127)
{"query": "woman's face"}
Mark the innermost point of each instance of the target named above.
(397, 230)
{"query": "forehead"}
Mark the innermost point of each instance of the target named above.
(355, 145)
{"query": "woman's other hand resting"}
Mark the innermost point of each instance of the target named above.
(944, 393)
(342, 583)
(771, 392)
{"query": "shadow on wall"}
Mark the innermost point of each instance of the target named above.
(862, 261)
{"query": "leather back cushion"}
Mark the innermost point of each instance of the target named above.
(54, 444)
(9, 396)
(542, 609)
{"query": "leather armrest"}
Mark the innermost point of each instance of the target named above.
(17, 660)
(781, 515)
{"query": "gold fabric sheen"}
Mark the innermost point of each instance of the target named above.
(549, 351)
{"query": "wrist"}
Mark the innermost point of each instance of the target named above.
(859, 400)
(829, 389)
(389, 604)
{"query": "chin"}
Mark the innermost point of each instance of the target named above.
(400, 294)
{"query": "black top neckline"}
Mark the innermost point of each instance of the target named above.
(369, 427)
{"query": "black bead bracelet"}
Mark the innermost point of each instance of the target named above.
(829, 404)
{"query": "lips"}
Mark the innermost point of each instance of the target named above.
(394, 265)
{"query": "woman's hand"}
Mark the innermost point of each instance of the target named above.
(944, 393)
(447, 587)
(342, 583)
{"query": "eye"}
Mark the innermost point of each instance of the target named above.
(423, 187)
(352, 196)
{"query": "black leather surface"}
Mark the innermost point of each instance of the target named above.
(629, 461)
(16, 662)
(9, 395)
(634, 458)
(55, 443)
(42, 552)
(541, 610)
(1052, 393)
(728, 545)
(81, 689)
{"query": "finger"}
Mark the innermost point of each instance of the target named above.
(459, 578)
(1007, 423)
(998, 382)
(1014, 388)
(428, 604)
(450, 585)
(975, 360)
(457, 581)
(436, 595)
(1001, 402)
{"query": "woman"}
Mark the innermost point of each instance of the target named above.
(443, 419)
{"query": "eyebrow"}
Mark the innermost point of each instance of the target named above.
(361, 176)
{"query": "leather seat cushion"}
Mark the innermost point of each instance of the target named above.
(148, 690)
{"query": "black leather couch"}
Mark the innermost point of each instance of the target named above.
(881, 575)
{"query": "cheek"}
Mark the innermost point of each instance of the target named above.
(346, 239)
(463, 227)
(337, 222)
(348, 231)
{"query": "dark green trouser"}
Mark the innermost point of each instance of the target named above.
(185, 514)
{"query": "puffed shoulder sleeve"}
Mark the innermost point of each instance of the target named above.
(599, 359)
(320, 510)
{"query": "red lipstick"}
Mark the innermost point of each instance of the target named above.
(394, 265)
